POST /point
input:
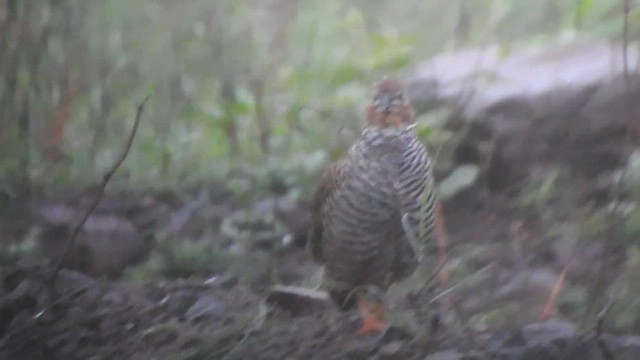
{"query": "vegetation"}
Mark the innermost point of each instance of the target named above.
(245, 94)
(238, 87)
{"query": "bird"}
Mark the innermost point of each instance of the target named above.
(373, 210)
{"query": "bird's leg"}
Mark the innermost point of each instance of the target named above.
(373, 308)
(374, 318)
(411, 238)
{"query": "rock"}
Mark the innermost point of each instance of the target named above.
(206, 306)
(474, 355)
(391, 350)
(445, 355)
(624, 347)
(513, 81)
(293, 214)
(581, 348)
(396, 333)
(549, 332)
(252, 230)
(297, 300)
(559, 105)
(105, 245)
(557, 340)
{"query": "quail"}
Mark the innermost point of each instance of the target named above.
(373, 210)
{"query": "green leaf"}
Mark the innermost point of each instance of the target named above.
(594, 225)
(632, 225)
(460, 179)
(241, 107)
(344, 74)
(583, 8)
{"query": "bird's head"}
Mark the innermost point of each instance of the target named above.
(390, 107)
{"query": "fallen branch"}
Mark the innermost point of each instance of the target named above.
(550, 305)
(101, 189)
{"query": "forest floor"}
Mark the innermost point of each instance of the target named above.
(541, 257)
(227, 316)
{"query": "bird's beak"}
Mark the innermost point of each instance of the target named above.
(386, 102)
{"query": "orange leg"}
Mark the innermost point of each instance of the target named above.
(374, 316)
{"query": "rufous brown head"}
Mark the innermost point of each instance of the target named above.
(390, 107)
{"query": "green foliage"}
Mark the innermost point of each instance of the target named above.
(573, 300)
(242, 90)
(316, 61)
(501, 317)
(625, 312)
(461, 178)
(539, 191)
(596, 224)
(185, 55)
(180, 258)
(583, 9)
(632, 225)
(192, 258)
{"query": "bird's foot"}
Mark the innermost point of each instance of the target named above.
(370, 323)
(373, 309)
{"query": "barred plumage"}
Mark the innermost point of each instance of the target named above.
(373, 211)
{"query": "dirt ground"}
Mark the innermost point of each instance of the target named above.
(180, 319)
(224, 316)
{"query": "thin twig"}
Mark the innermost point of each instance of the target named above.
(601, 316)
(430, 279)
(604, 349)
(629, 103)
(625, 46)
(550, 305)
(629, 99)
(101, 190)
(462, 282)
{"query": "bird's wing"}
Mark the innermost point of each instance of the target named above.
(416, 195)
(326, 186)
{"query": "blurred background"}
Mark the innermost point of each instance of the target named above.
(529, 108)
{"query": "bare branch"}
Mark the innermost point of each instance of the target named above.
(602, 345)
(99, 195)
(625, 44)
(630, 103)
